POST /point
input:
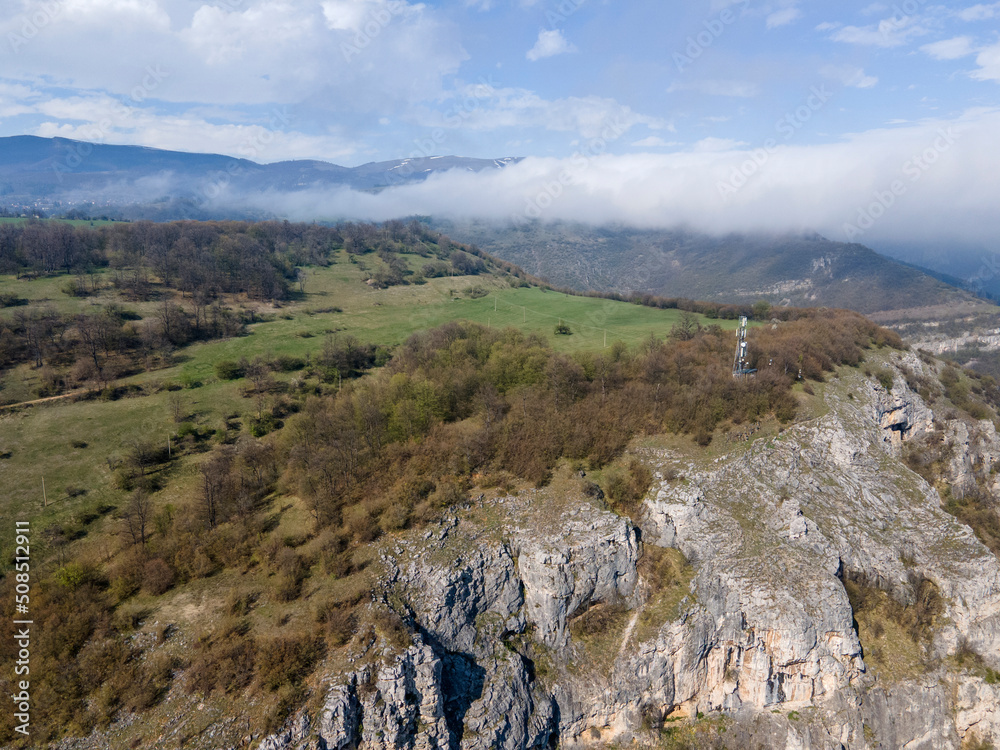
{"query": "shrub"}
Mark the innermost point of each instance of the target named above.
(292, 569)
(224, 661)
(227, 369)
(76, 288)
(625, 489)
(390, 626)
(290, 699)
(74, 575)
(150, 683)
(476, 292)
(157, 576)
(975, 508)
(288, 660)
(597, 620)
(239, 604)
(286, 363)
(885, 378)
(339, 621)
(261, 426)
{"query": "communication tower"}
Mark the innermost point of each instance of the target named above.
(741, 367)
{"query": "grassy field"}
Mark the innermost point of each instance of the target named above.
(389, 316)
(40, 438)
(47, 291)
(74, 222)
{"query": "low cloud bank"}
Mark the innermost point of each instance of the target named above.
(934, 180)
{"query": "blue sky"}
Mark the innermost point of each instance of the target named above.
(807, 110)
(360, 80)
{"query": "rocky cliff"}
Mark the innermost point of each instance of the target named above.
(545, 620)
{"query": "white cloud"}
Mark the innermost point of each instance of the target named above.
(890, 32)
(221, 37)
(950, 194)
(783, 17)
(739, 89)
(549, 44)
(375, 54)
(653, 141)
(181, 133)
(356, 15)
(483, 108)
(874, 9)
(848, 75)
(949, 49)
(140, 11)
(713, 145)
(104, 119)
(989, 64)
(979, 12)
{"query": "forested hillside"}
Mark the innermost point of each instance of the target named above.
(796, 269)
(244, 412)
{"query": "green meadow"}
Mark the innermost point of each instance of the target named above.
(40, 438)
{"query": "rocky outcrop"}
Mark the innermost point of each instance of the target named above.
(900, 413)
(389, 705)
(763, 643)
(977, 708)
(590, 557)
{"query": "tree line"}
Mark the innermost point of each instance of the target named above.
(206, 259)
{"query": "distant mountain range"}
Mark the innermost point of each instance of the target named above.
(61, 176)
(36, 170)
(801, 270)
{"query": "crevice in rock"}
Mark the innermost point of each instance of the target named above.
(462, 683)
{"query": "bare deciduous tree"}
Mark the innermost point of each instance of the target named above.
(137, 516)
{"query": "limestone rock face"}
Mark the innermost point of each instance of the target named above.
(589, 558)
(977, 709)
(762, 642)
(451, 600)
(340, 722)
(901, 413)
(399, 704)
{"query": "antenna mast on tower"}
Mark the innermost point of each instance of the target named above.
(740, 362)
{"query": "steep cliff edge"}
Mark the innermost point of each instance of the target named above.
(538, 620)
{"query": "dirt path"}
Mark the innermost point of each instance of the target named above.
(43, 400)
